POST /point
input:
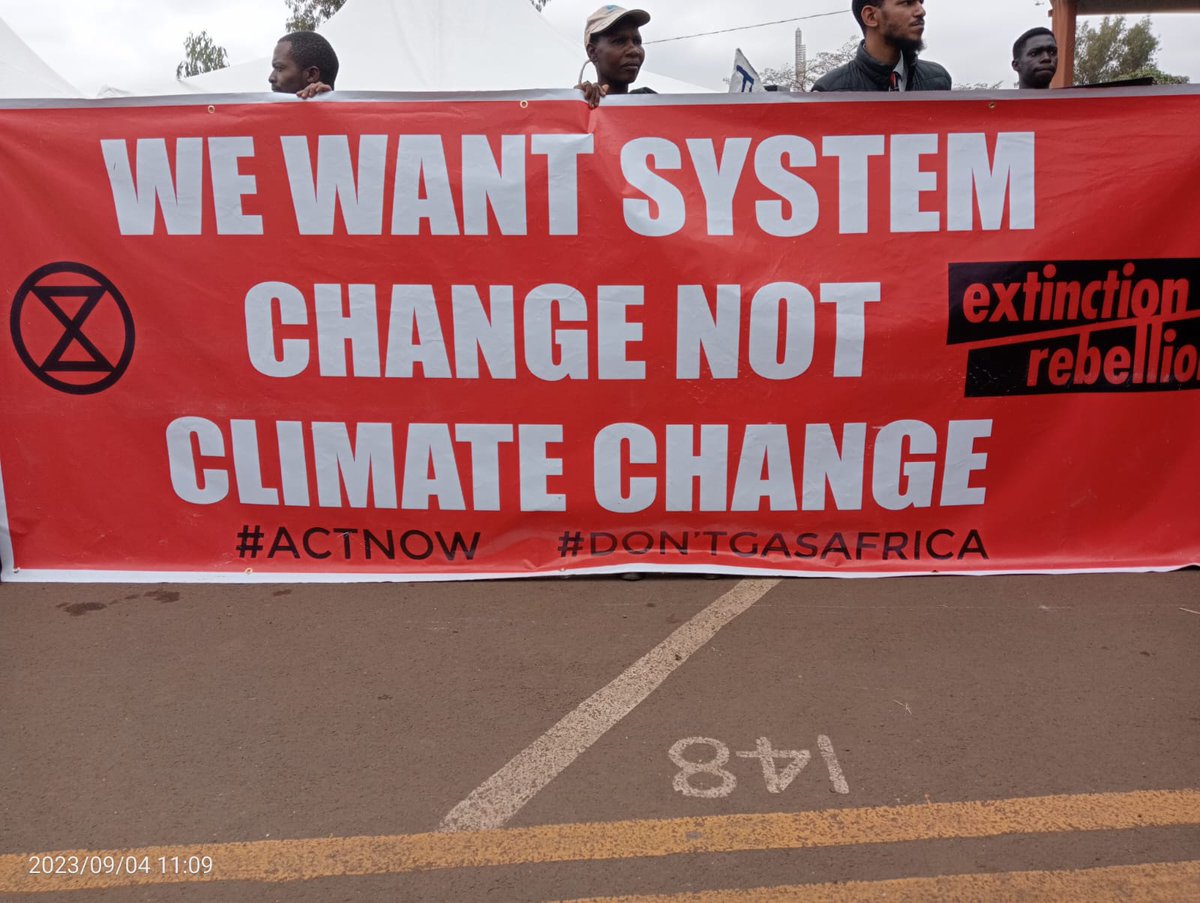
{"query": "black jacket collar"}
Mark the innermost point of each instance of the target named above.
(881, 73)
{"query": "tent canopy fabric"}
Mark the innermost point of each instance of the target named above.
(451, 45)
(25, 74)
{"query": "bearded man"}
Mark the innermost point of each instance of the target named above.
(893, 35)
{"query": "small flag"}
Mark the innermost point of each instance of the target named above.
(744, 79)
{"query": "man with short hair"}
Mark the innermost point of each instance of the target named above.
(613, 43)
(303, 64)
(1035, 59)
(893, 32)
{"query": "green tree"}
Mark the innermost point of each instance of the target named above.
(202, 54)
(306, 15)
(1114, 50)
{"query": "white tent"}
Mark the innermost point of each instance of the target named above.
(25, 74)
(449, 45)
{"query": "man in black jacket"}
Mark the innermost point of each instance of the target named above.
(887, 57)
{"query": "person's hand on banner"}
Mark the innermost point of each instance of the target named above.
(310, 91)
(592, 93)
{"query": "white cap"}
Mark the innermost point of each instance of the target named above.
(607, 16)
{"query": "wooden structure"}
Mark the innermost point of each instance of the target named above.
(1064, 13)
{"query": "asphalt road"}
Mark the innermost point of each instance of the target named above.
(1023, 738)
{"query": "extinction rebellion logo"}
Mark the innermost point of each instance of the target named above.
(1053, 327)
(72, 328)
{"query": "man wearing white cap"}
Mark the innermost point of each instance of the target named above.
(614, 46)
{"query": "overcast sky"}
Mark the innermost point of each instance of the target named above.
(93, 43)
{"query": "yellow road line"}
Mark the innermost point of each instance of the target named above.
(1166, 882)
(298, 860)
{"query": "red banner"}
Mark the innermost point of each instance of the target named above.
(499, 336)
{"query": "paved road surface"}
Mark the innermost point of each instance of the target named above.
(1023, 738)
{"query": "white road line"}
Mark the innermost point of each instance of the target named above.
(506, 792)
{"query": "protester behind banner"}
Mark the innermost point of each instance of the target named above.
(1035, 59)
(304, 64)
(613, 43)
(893, 35)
